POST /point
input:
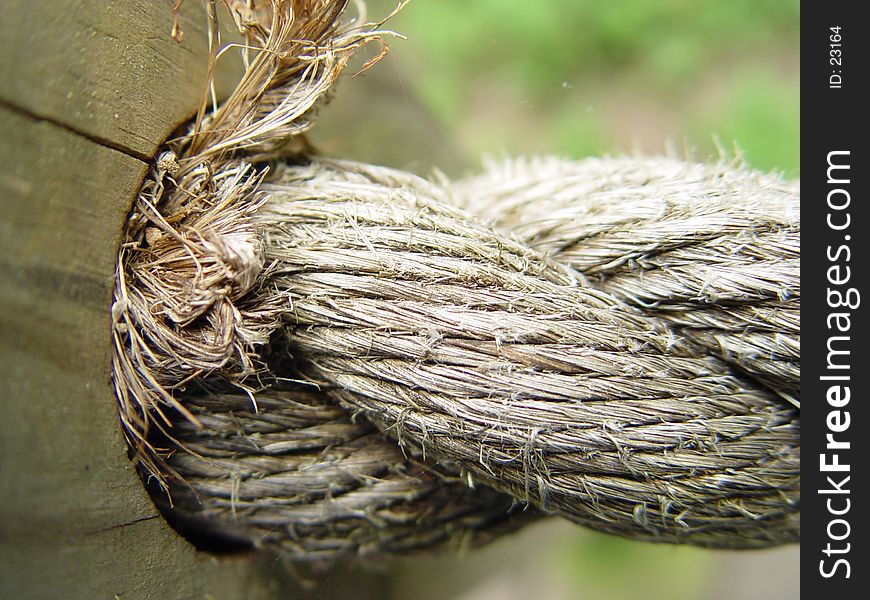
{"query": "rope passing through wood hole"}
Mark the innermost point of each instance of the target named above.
(615, 341)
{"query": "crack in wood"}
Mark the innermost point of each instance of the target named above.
(106, 143)
(125, 524)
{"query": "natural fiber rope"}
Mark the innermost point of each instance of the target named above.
(470, 346)
(191, 262)
(638, 378)
(713, 250)
(299, 474)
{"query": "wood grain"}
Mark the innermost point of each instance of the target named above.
(88, 91)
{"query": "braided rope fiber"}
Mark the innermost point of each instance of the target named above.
(333, 358)
(466, 344)
(299, 474)
(712, 250)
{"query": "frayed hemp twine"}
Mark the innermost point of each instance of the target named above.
(470, 346)
(496, 358)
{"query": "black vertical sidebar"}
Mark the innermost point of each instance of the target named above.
(835, 235)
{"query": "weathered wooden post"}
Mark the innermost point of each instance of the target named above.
(88, 91)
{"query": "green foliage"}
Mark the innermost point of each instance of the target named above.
(763, 119)
(604, 566)
(695, 69)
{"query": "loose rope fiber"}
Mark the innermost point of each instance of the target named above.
(334, 358)
(186, 303)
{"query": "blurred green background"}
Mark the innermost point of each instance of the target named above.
(576, 78)
(580, 78)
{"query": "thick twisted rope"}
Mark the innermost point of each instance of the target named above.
(299, 474)
(463, 343)
(711, 249)
(192, 304)
(626, 357)
(190, 263)
(470, 347)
